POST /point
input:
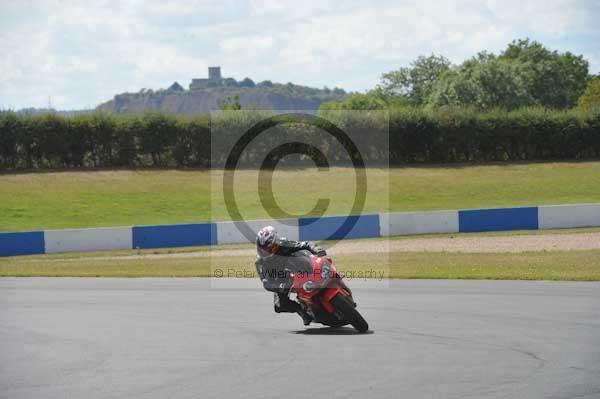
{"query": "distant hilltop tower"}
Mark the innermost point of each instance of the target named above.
(214, 79)
(214, 73)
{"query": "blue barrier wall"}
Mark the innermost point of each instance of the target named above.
(331, 227)
(178, 235)
(498, 219)
(26, 243)
(338, 227)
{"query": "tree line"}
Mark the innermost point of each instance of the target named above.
(416, 135)
(525, 103)
(524, 74)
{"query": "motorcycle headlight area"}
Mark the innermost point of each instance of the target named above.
(325, 272)
(308, 286)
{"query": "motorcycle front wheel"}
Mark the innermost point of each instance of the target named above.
(343, 305)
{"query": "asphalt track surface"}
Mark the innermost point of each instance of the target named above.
(197, 338)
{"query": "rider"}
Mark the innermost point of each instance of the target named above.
(274, 255)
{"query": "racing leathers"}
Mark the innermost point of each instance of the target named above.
(288, 256)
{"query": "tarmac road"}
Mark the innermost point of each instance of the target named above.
(190, 338)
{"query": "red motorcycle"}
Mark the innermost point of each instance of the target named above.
(323, 295)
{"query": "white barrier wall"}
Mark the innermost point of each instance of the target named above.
(568, 216)
(79, 240)
(228, 233)
(405, 223)
(374, 225)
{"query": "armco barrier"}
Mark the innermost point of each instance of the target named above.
(568, 216)
(228, 232)
(25, 243)
(176, 235)
(405, 223)
(79, 240)
(338, 227)
(363, 226)
(498, 219)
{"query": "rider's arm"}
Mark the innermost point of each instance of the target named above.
(287, 247)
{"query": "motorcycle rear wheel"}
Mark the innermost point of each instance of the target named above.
(346, 308)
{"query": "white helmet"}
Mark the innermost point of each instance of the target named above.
(265, 241)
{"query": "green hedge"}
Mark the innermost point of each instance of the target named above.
(416, 135)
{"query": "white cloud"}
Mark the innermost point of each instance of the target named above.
(557, 18)
(82, 53)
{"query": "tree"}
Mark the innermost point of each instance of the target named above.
(157, 136)
(525, 74)
(355, 102)
(247, 82)
(10, 125)
(266, 83)
(557, 79)
(415, 82)
(484, 82)
(230, 103)
(229, 82)
(374, 99)
(590, 99)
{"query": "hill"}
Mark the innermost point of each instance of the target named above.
(204, 96)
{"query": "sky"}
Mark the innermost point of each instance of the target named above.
(75, 55)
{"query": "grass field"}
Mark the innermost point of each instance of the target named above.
(113, 198)
(548, 265)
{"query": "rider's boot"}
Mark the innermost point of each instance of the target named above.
(283, 304)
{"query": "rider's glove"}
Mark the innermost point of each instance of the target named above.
(321, 252)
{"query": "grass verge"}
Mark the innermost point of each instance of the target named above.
(547, 265)
(127, 197)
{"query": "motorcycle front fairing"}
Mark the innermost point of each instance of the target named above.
(317, 287)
